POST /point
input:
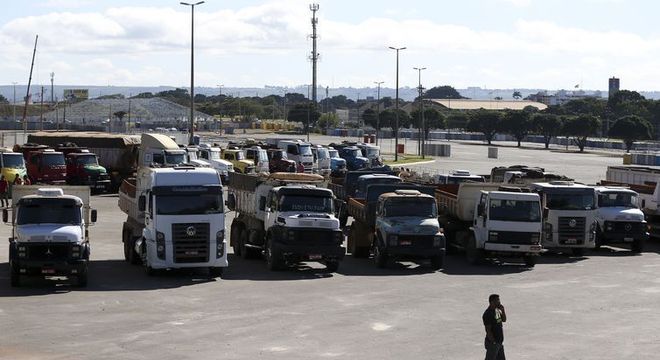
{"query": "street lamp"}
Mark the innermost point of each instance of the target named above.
(396, 127)
(191, 126)
(422, 133)
(378, 109)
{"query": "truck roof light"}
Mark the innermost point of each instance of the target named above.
(407, 192)
(50, 192)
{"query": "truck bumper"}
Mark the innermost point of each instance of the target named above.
(513, 249)
(609, 237)
(49, 268)
(310, 253)
(405, 252)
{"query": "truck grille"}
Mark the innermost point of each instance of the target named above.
(416, 241)
(191, 242)
(571, 230)
(45, 252)
(311, 237)
(513, 237)
(625, 227)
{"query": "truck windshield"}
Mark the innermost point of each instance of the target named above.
(322, 154)
(515, 210)
(240, 155)
(354, 153)
(215, 155)
(48, 211)
(319, 204)
(175, 157)
(53, 159)
(612, 199)
(182, 204)
(87, 160)
(262, 156)
(305, 150)
(414, 207)
(334, 154)
(373, 152)
(14, 161)
(570, 201)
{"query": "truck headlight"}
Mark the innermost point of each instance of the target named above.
(75, 251)
(492, 236)
(22, 252)
(535, 238)
(393, 240)
(220, 244)
(592, 231)
(609, 226)
(339, 237)
(160, 245)
(547, 230)
(439, 241)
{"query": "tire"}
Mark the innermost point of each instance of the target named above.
(332, 265)
(145, 263)
(133, 257)
(343, 218)
(473, 255)
(15, 277)
(598, 241)
(577, 251)
(82, 279)
(530, 261)
(437, 262)
(273, 257)
(235, 241)
(127, 248)
(246, 252)
(637, 246)
(216, 272)
(380, 257)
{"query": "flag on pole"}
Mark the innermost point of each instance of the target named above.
(577, 86)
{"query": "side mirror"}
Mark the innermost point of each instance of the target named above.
(480, 209)
(231, 201)
(545, 212)
(142, 203)
(5, 215)
(93, 216)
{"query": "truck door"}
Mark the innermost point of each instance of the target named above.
(271, 210)
(481, 220)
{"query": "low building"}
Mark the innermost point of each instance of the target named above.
(469, 104)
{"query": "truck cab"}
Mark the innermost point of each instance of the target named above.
(300, 152)
(371, 152)
(354, 158)
(259, 157)
(213, 155)
(279, 162)
(620, 220)
(12, 164)
(321, 160)
(365, 180)
(569, 215)
(46, 166)
(239, 161)
(457, 177)
(407, 228)
(50, 235)
(82, 168)
(337, 164)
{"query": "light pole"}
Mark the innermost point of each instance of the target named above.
(220, 89)
(378, 83)
(396, 127)
(422, 133)
(191, 126)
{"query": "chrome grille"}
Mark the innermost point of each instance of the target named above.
(191, 242)
(571, 230)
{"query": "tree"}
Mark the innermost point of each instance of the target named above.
(630, 129)
(516, 95)
(144, 95)
(443, 92)
(369, 118)
(3, 100)
(388, 119)
(433, 119)
(328, 120)
(547, 125)
(302, 113)
(457, 120)
(580, 128)
(517, 123)
(119, 115)
(487, 122)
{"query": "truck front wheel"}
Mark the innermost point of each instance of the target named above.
(380, 257)
(332, 265)
(15, 277)
(473, 255)
(82, 278)
(273, 257)
(529, 260)
(437, 262)
(216, 272)
(637, 246)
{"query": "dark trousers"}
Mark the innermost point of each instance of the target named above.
(494, 350)
(4, 199)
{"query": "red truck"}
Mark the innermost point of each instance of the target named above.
(44, 165)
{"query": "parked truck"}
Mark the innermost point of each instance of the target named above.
(82, 168)
(300, 152)
(46, 166)
(321, 160)
(286, 217)
(175, 219)
(279, 162)
(12, 164)
(396, 222)
(213, 156)
(620, 221)
(259, 157)
(50, 232)
(489, 221)
(569, 215)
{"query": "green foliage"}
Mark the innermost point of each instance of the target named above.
(517, 123)
(3, 100)
(442, 92)
(369, 118)
(144, 95)
(487, 122)
(457, 120)
(630, 129)
(328, 120)
(303, 113)
(388, 118)
(586, 106)
(580, 128)
(120, 114)
(547, 125)
(433, 119)
(516, 95)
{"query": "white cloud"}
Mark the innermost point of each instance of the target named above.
(64, 4)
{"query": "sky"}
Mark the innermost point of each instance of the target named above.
(487, 43)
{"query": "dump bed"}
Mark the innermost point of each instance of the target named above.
(128, 202)
(458, 200)
(364, 210)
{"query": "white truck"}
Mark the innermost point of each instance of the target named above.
(175, 219)
(620, 221)
(50, 232)
(298, 151)
(569, 215)
(214, 157)
(487, 220)
(285, 217)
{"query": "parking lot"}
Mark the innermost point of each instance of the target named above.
(601, 306)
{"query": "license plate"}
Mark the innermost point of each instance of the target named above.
(315, 257)
(99, 186)
(628, 239)
(571, 241)
(191, 253)
(408, 242)
(48, 271)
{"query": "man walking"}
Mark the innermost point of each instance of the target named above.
(4, 189)
(493, 318)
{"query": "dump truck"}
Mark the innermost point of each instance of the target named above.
(12, 164)
(487, 220)
(212, 154)
(46, 166)
(175, 219)
(115, 152)
(50, 232)
(619, 219)
(396, 222)
(285, 217)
